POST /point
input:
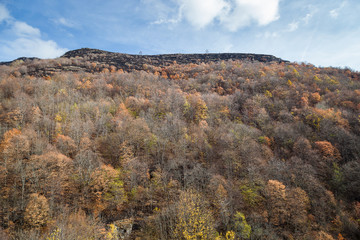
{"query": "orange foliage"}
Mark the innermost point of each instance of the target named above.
(52, 172)
(327, 150)
(277, 201)
(14, 145)
(333, 115)
(340, 237)
(112, 69)
(8, 136)
(315, 97)
(164, 74)
(37, 211)
(349, 104)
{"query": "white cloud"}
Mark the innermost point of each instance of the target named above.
(231, 14)
(31, 47)
(261, 11)
(174, 20)
(65, 22)
(242, 13)
(22, 40)
(293, 26)
(23, 29)
(202, 12)
(334, 13)
(4, 13)
(307, 18)
(164, 20)
(267, 35)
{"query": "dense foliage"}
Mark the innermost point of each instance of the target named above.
(226, 150)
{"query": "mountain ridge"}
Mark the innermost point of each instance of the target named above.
(95, 60)
(117, 58)
(180, 58)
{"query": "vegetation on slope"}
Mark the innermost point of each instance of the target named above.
(217, 150)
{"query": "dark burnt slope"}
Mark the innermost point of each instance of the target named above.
(126, 61)
(94, 60)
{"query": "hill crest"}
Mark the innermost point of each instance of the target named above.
(165, 59)
(85, 59)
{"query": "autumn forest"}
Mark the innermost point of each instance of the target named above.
(235, 149)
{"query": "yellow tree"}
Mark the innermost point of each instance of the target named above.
(194, 220)
(195, 108)
(242, 228)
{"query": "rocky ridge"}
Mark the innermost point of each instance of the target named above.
(94, 60)
(123, 60)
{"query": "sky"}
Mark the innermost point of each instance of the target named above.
(321, 32)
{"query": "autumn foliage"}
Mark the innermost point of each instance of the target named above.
(217, 150)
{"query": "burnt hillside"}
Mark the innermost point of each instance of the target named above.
(94, 60)
(120, 60)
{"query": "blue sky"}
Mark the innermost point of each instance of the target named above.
(321, 32)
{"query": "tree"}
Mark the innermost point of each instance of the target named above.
(76, 225)
(86, 161)
(15, 149)
(105, 190)
(328, 151)
(52, 175)
(241, 227)
(351, 181)
(194, 221)
(195, 108)
(276, 197)
(298, 206)
(66, 145)
(37, 211)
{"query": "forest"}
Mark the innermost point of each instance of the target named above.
(220, 150)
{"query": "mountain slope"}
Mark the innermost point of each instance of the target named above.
(100, 145)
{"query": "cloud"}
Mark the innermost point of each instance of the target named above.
(334, 13)
(21, 39)
(293, 26)
(31, 47)
(245, 12)
(174, 20)
(4, 13)
(230, 14)
(202, 12)
(267, 35)
(22, 29)
(308, 17)
(65, 22)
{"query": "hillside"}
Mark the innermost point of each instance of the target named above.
(181, 146)
(81, 58)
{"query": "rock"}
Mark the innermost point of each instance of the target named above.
(124, 227)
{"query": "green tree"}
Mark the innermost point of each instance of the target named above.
(241, 227)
